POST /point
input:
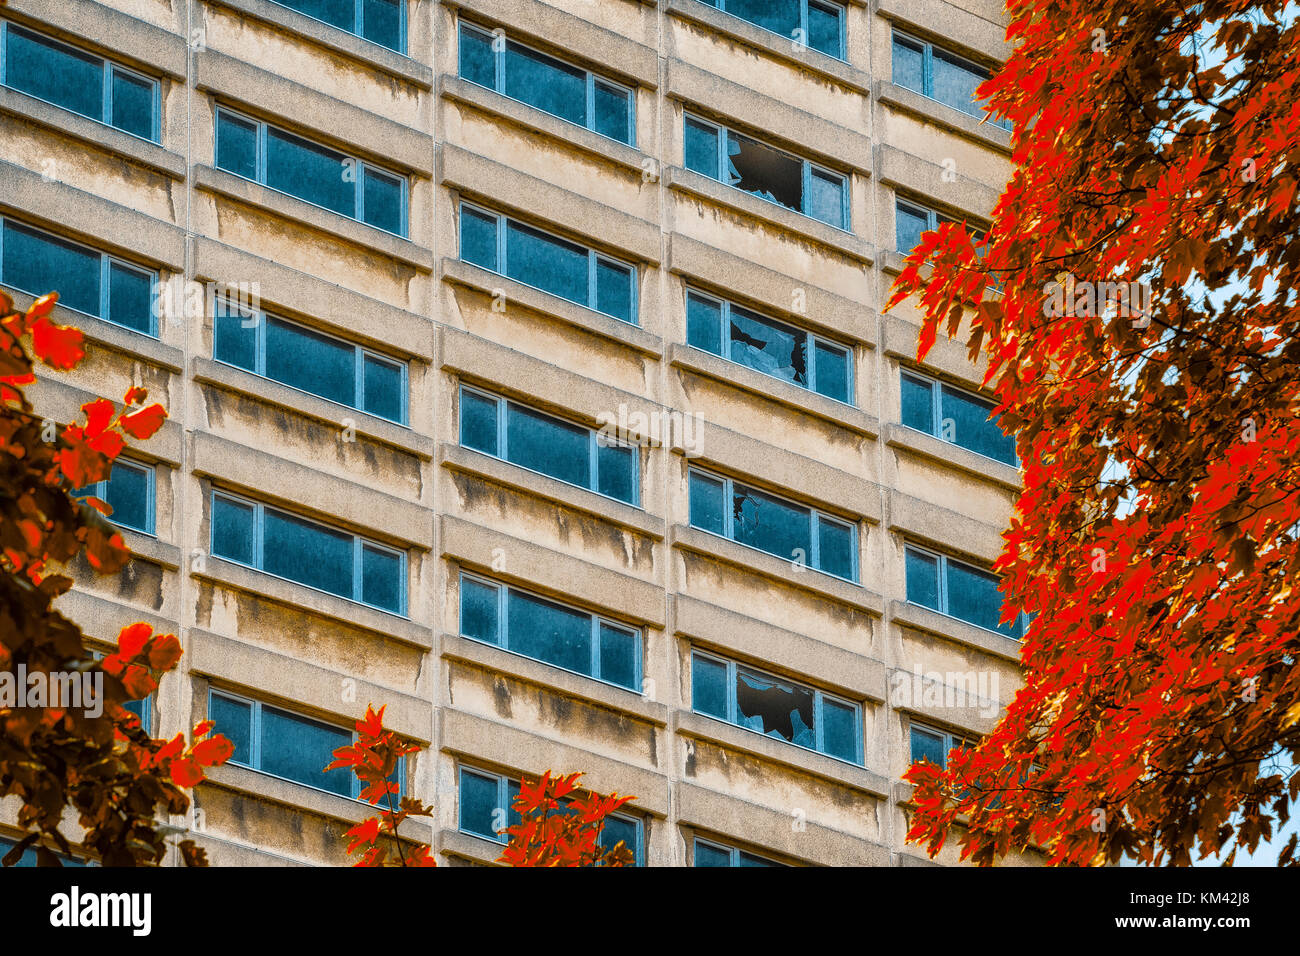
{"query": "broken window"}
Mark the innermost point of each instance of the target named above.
(765, 171)
(768, 346)
(775, 707)
(790, 531)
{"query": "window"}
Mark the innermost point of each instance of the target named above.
(129, 492)
(940, 75)
(86, 279)
(379, 21)
(778, 708)
(957, 589)
(709, 853)
(288, 745)
(311, 172)
(28, 859)
(311, 361)
(933, 745)
(551, 85)
(773, 348)
(487, 810)
(955, 416)
(307, 552)
(911, 220)
(546, 262)
(755, 518)
(551, 446)
(142, 708)
(79, 81)
(766, 172)
(550, 632)
(816, 23)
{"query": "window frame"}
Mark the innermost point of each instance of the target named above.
(816, 515)
(805, 183)
(733, 852)
(813, 340)
(359, 543)
(503, 591)
(503, 782)
(951, 739)
(359, 14)
(100, 487)
(503, 405)
(107, 68)
(943, 560)
(593, 258)
(937, 386)
(363, 166)
(933, 219)
(106, 262)
(733, 667)
(255, 743)
(360, 354)
(721, 7)
(591, 78)
(927, 73)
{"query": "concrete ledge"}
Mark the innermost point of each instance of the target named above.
(466, 846)
(149, 548)
(266, 673)
(792, 397)
(971, 718)
(102, 619)
(760, 563)
(570, 685)
(351, 505)
(606, 52)
(811, 61)
(947, 530)
(331, 38)
(850, 673)
(931, 622)
(905, 439)
(53, 398)
(947, 356)
(299, 211)
(299, 597)
(393, 328)
(75, 213)
(555, 574)
(206, 371)
(807, 135)
(615, 330)
(787, 473)
(958, 29)
(118, 35)
(486, 741)
(911, 174)
(301, 798)
(944, 116)
(540, 122)
(769, 291)
(748, 823)
(132, 345)
(98, 135)
(780, 752)
(702, 187)
(597, 224)
(321, 117)
(468, 461)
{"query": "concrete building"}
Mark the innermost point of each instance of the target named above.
(527, 374)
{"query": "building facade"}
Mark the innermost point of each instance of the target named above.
(527, 374)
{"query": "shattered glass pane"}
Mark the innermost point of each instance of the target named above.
(766, 172)
(769, 346)
(775, 708)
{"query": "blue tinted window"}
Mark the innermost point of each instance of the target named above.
(709, 693)
(826, 197)
(315, 173)
(54, 72)
(234, 339)
(909, 64)
(383, 22)
(478, 238)
(236, 145)
(955, 82)
(840, 730)
(918, 404)
(825, 28)
(772, 525)
(234, 719)
(381, 578)
(39, 263)
(479, 804)
(130, 297)
(477, 60)
(973, 596)
(909, 224)
(706, 854)
(619, 655)
(833, 372)
(384, 392)
(233, 530)
(546, 83)
(835, 548)
(479, 610)
(617, 467)
(308, 553)
(382, 201)
(310, 361)
(549, 632)
(922, 579)
(614, 292)
(548, 445)
(130, 494)
(940, 75)
(548, 263)
(972, 428)
(478, 422)
(701, 147)
(704, 323)
(132, 104)
(298, 749)
(613, 112)
(779, 16)
(707, 503)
